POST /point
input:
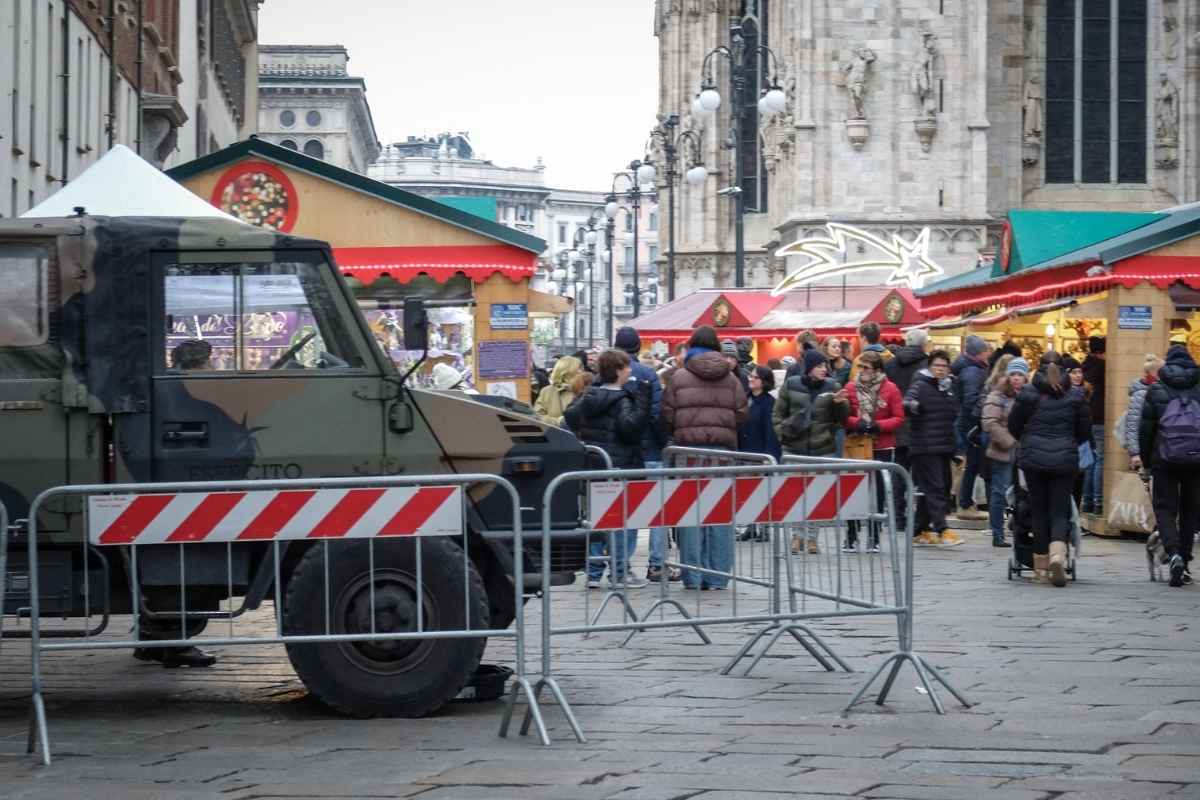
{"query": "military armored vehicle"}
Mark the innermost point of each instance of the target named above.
(129, 353)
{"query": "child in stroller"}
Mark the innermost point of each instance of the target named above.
(1020, 525)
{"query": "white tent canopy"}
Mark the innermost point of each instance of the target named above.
(122, 184)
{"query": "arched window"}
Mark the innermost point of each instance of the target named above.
(314, 148)
(1095, 127)
(290, 144)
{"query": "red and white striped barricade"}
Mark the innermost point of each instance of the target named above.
(698, 502)
(266, 515)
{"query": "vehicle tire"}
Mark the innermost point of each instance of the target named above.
(401, 678)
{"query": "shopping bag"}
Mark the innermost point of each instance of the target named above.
(1129, 506)
(1086, 457)
(859, 447)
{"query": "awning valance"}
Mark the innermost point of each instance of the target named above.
(402, 264)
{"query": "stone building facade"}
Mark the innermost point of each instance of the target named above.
(308, 101)
(166, 78)
(939, 114)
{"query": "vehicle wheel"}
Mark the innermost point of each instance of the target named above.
(402, 678)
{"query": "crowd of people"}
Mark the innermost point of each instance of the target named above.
(949, 421)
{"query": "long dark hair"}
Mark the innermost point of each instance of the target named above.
(1055, 377)
(767, 377)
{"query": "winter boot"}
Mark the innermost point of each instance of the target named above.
(1058, 563)
(1041, 564)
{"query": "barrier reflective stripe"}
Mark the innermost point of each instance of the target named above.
(693, 502)
(267, 515)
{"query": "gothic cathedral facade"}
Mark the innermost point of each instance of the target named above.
(911, 114)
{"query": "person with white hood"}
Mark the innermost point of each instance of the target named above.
(447, 379)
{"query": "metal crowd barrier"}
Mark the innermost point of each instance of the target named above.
(805, 495)
(135, 517)
(3, 566)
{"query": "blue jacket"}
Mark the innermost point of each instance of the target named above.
(651, 446)
(971, 374)
(758, 434)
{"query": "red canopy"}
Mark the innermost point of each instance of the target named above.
(478, 262)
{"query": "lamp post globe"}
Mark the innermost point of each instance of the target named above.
(611, 208)
(697, 109)
(646, 173)
(775, 100)
(591, 237)
(710, 100)
(697, 175)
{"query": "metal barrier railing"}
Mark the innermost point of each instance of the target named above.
(330, 513)
(3, 567)
(821, 492)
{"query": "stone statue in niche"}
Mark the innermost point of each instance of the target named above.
(1031, 109)
(922, 77)
(1166, 111)
(1170, 38)
(858, 74)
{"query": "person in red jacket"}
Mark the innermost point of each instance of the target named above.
(876, 410)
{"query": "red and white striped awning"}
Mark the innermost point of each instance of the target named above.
(403, 264)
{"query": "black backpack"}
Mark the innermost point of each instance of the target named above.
(975, 422)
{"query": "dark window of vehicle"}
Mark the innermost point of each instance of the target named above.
(24, 290)
(252, 317)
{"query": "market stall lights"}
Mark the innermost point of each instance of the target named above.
(1050, 331)
(1099, 283)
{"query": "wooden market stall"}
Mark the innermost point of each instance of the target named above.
(391, 244)
(1061, 277)
(773, 321)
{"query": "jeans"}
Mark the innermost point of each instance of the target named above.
(598, 546)
(966, 489)
(1177, 507)
(658, 536)
(1002, 477)
(708, 548)
(1093, 477)
(1050, 504)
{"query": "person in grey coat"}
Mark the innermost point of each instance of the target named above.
(1137, 400)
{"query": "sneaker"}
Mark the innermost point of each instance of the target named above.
(676, 575)
(594, 583)
(971, 513)
(654, 574)
(926, 539)
(874, 548)
(1000, 543)
(813, 548)
(632, 582)
(950, 539)
(797, 545)
(1187, 577)
(1176, 566)
(849, 547)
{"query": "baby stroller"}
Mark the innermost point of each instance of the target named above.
(1020, 525)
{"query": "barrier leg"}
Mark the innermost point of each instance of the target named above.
(533, 712)
(39, 733)
(929, 689)
(675, 604)
(891, 679)
(745, 649)
(942, 680)
(894, 657)
(810, 633)
(615, 589)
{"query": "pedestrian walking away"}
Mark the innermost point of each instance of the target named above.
(704, 406)
(628, 341)
(1093, 372)
(931, 407)
(810, 411)
(1169, 437)
(1007, 380)
(970, 372)
(1050, 420)
(612, 415)
(876, 412)
(1129, 426)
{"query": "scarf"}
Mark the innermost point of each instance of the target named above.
(868, 395)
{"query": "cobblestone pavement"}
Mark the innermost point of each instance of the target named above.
(1092, 691)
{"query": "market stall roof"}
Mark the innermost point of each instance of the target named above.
(756, 313)
(501, 249)
(1038, 237)
(123, 184)
(1173, 226)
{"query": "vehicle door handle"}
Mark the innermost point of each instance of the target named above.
(176, 432)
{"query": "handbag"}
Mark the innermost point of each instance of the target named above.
(1128, 505)
(859, 446)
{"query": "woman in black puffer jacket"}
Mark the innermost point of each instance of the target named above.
(614, 412)
(1050, 420)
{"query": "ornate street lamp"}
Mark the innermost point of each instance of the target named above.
(743, 60)
(696, 175)
(585, 243)
(639, 173)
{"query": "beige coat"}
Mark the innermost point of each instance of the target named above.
(996, 408)
(552, 401)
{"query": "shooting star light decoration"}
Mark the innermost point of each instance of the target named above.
(910, 263)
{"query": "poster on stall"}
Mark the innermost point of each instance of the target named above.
(503, 360)
(509, 316)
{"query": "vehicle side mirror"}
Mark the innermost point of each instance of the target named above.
(416, 325)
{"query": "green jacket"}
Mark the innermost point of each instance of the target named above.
(807, 418)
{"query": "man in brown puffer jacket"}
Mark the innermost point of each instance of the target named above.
(703, 406)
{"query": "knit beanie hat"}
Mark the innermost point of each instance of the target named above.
(1018, 365)
(627, 339)
(1096, 344)
(813, 358)
(729, 348)
(975, 345)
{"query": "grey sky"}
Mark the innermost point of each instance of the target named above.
(575, 82)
